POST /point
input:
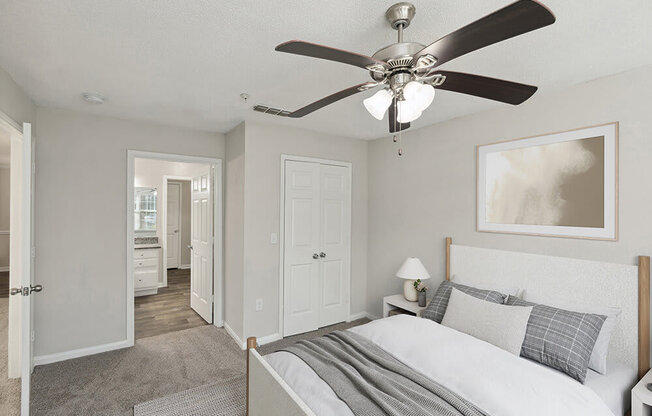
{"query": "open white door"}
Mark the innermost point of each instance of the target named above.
(21, 258)
(173, 236)
(201, 245)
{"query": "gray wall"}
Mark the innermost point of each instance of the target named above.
(263, 148)
(4, 216)
(81, 221)
(234, 229)
(428, 194)
(14, 102)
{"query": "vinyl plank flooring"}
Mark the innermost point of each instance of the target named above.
(167, 311)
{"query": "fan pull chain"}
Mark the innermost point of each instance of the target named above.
(400, 136)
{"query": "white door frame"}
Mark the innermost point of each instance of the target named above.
(218, 234)
(15, 131)
(281, 274)
(164, 219)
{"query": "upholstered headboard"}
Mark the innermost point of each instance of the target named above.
(559, 281)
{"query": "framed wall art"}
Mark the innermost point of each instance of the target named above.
(562, 184)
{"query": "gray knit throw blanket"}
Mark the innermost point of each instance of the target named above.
(372, 382)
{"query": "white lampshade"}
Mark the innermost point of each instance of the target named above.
(413, 269)
(418, 94)
(378, 103)
(407, 111)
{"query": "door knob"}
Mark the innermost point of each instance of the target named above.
(190, 247)
(315, 256)
(15, 291)
(322, 254)
(35, 288)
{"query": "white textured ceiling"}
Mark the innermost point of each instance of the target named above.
(185, 62)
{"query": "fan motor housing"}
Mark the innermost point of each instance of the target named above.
(396, 54)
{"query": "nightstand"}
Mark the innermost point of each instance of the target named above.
(399, 302)
(642, 397)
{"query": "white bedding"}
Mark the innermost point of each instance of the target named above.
(614, 388)
(494, 380)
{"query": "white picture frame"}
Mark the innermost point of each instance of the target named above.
(486, 167)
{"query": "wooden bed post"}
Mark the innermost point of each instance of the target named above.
(449, 241)
(643, 315)
(251, 344)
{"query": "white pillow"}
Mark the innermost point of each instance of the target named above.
(598, 360)
(501, 325)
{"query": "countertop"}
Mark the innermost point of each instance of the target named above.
(143, 246)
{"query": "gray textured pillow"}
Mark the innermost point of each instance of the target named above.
(560, 339)
(501, 325)
(439, 302)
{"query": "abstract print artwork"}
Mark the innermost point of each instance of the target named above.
(562, 184)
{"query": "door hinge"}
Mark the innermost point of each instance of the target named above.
(33, 336)
(33, 253)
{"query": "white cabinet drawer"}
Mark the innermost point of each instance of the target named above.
(145, 264)
(145, 279)
(144, 253)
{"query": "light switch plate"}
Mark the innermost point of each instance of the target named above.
(273, 238)
(259, 305)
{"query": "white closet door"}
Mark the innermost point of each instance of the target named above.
(173, 236)
(201, 241)
(335, 229)
(301, 259)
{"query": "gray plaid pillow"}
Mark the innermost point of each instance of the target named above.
(437, 306)
(559, 338)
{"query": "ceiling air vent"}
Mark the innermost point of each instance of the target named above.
(270, 110)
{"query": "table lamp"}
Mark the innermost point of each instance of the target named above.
(411, 270)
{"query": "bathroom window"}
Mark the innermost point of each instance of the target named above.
(145, 209)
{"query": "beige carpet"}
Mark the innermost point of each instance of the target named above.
(112, 383)
(9, 388)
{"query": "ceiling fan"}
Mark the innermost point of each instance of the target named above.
(408, 70)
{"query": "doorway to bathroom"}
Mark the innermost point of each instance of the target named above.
(175, 242)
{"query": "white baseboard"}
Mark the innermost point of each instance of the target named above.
(184, 266)
(235, 336)
(260, 341)
(361, 315)
(4, 269)
(268, 338)
(82, 352)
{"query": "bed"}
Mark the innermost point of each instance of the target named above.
(479, 374)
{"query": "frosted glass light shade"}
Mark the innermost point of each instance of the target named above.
(407, 111)
(378, 103)
(418, 94)
(413, 269)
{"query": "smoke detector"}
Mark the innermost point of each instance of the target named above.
(93, 98)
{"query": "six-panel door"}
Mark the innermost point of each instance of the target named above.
(316, 262)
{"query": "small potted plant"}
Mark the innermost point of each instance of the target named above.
(421, 289)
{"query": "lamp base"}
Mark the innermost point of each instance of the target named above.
(409, 291)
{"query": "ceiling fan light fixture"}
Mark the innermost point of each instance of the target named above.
(418, 94)
(407, 111)
(378, 103)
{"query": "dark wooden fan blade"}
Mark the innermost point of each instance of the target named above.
(394, 125)
(299, 47)
(490, 88)
(331, 99)
(516, 19)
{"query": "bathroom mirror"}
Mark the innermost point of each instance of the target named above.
(144, 209)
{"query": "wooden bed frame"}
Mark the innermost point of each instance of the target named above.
(268, 394)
